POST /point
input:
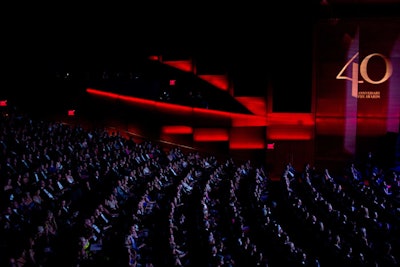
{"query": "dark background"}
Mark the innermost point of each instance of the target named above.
(256, 44)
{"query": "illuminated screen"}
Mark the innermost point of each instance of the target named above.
(357, 76)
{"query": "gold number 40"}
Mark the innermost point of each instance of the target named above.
(363, 72)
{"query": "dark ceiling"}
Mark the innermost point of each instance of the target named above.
(246, 39)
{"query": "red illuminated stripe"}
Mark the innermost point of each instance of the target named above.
(176, 129)
(168, 107)
(210, 134)
(204, 111)
(250, 144)
(290, 133)
(305, 119)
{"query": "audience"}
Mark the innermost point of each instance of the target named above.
(80, 197)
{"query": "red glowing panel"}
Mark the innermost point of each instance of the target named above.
(219, 81)
(172, 82)
(331, 126)
(247, 138)
(210, 134)
(249, 144)
(256, 105)
(71, 112)
(302, 119)
(240, 120)
(176, 129)
(290, 133)
(183, 65)
(3, 103)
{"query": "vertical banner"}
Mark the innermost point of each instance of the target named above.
(357, 78)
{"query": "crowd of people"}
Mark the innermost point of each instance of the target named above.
(79, 197)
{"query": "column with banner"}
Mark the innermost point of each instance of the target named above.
(357, 83)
